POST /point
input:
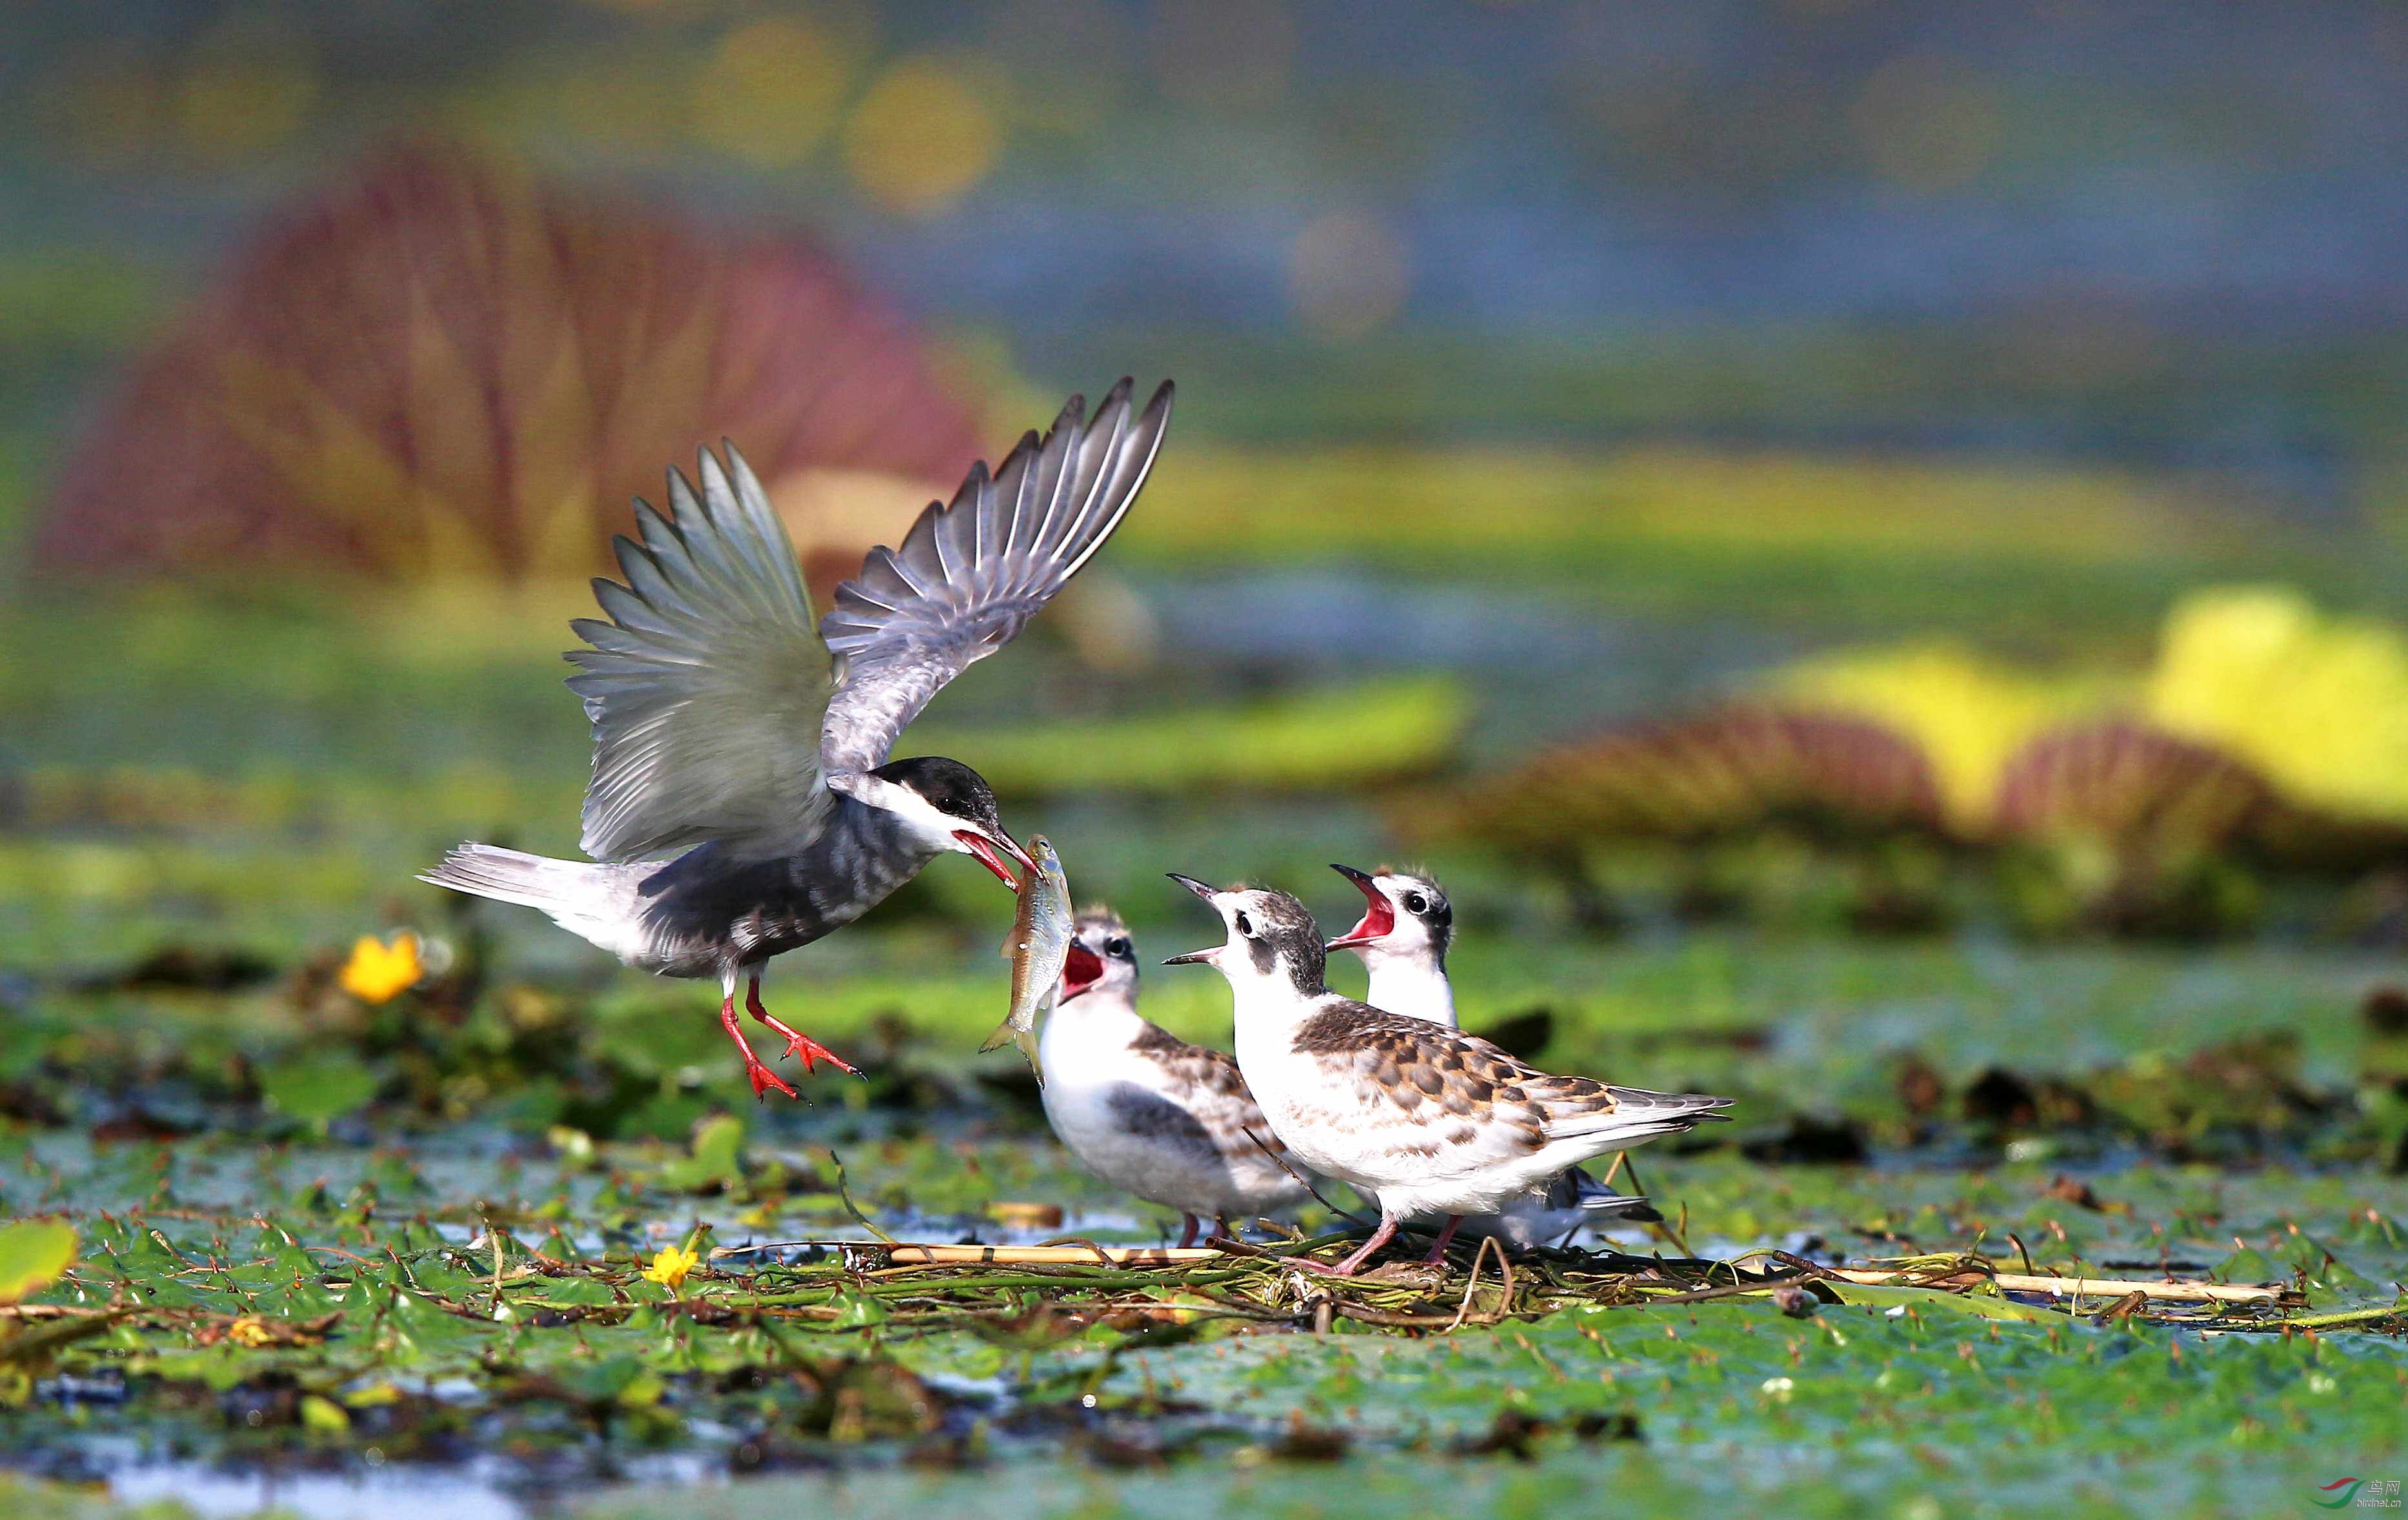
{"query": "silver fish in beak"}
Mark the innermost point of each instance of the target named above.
(1043, 930)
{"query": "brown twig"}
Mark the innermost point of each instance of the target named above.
(2174, 1290)
(844, 1196)
(1674, 1235)
(1036, 1255)
(1727, 1290)
(1471, 1285)
(1303, 1181)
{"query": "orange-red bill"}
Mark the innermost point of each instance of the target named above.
(991, 858)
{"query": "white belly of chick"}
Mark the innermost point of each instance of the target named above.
(1130, 1125)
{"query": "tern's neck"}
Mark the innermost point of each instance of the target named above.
(1088, 1038)
(1266, 1004)
(1413, 983)
(876, 833)
(1102, 1013)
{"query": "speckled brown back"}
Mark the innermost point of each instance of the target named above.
(1207, 1072)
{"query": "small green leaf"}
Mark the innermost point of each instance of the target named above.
(608, 1381)
(857, 1311)
(1988, 1305)
(716, 1163)
(316, 1089)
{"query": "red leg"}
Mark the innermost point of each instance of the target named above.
(1445, 1237)
(797, 1043)
(763, 1079)
(1187, 1236)
(1386, 1232)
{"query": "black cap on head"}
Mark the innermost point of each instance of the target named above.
(950, 787)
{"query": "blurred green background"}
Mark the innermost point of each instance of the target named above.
(1864, 539)
(1826, 468)
(2023, 378)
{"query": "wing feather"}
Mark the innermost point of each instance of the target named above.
(708, 686)
(1467, 1104)
(972, 572)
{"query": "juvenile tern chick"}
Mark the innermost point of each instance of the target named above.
(742, 803)
(1428, 1120)
(1143, 1109)
(1406, 927)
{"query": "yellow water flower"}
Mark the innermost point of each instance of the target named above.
(1969, 715)
(250, 1330)
(670, 1266)
(2318, 703)
(380, 970)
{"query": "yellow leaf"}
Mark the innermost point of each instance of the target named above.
(2319, 703)
(1022, 1215)
(33, 1255)
(1969, 715)
(319, 1412)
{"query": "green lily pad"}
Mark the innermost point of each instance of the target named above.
(315, 1089)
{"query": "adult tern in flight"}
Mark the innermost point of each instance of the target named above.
(742, 803)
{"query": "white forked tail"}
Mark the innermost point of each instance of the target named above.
(575, 894)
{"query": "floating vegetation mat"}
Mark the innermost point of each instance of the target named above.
(553, 1329)
(270, 1292)
(2004, 1231)
(1234, 1279)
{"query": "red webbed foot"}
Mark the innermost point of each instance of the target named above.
(764, 1078)
(798, 1044)
(810, 1050)
(761, 1078)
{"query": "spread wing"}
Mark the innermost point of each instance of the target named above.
(708, 684)
(970, 574)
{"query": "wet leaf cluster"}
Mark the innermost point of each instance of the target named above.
(338, 1311)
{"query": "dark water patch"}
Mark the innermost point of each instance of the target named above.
(1564, 663)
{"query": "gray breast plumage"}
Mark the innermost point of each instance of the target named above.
(719, 905)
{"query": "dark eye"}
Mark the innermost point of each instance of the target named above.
(1416, 903)
(1245, 925)
(1118, 946)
